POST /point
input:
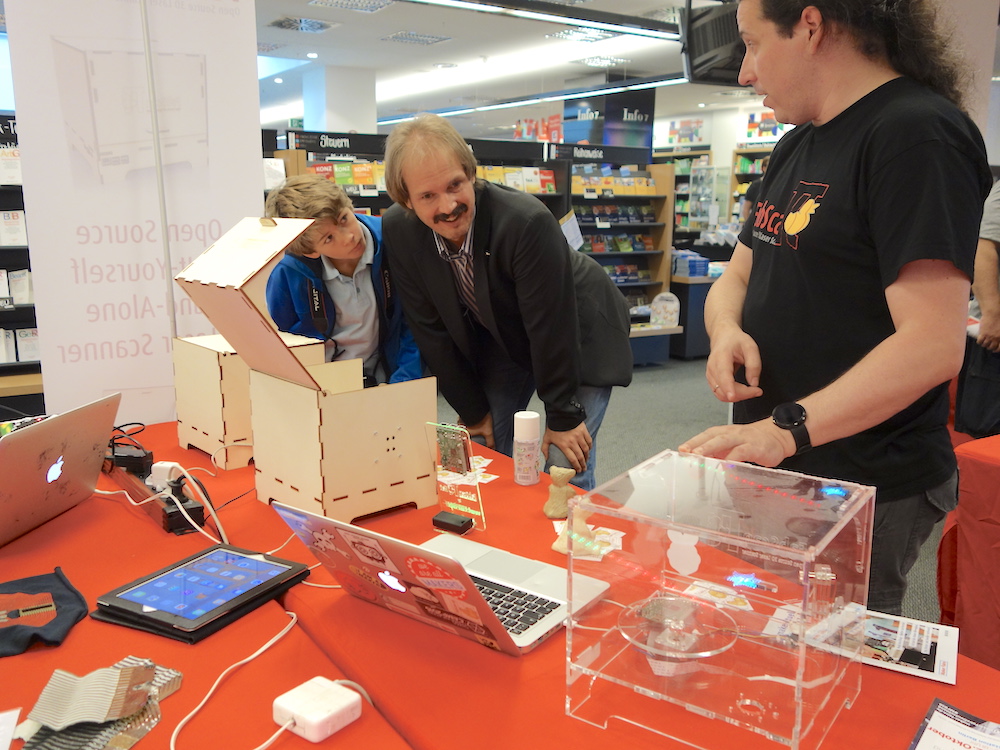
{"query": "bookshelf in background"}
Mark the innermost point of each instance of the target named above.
(684, 160)
(355, 161)
(20, 369)
(626, 219)
(746, 168)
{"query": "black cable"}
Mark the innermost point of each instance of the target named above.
(233, 500)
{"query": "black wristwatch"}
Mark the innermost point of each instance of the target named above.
(792, 417)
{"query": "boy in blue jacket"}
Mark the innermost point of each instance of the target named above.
(333, 283)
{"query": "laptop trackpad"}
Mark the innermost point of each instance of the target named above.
(506, 567)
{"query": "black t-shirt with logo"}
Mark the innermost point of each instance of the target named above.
(899, 176)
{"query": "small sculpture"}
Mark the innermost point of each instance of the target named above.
(557, 506)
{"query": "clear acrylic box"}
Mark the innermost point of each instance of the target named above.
(737, 601)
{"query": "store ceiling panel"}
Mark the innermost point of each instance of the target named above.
(431, 58)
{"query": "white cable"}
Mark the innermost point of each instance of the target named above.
(226, 447)
(183, 722)
(281, 730)
(206, 502)
(281, 546)
(357, 688)
(128, 496)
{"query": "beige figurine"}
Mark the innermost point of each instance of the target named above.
(557, 506)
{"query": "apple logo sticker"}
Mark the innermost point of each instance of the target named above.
(55, 470)
(391, 581)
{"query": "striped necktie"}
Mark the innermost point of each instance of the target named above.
(463, 266)
(465, 279)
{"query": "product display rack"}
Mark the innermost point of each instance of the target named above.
(639, 274)
(20, 382)
(683, 161)
(334, 155)
(334, 152)
(746, 169)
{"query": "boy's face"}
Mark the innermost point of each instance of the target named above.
(338, 239)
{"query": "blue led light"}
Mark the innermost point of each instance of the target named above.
(747, 580)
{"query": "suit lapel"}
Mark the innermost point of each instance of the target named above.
(481, 256)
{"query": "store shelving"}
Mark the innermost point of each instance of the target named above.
(627, 221)
(355, 162)
(684, 161)
(20, 381)
(746, 168)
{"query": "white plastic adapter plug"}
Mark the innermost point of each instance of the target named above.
(161, 473)
(319, 707)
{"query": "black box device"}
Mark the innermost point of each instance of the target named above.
(448, 521)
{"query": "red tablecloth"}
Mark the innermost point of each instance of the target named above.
(104, 543)
(969, 553)
(433, 689)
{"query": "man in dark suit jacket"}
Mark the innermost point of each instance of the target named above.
(498, 302)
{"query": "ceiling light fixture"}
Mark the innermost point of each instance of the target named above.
(312, 55)
(580, 35)
(555, 97)
(362, 6)
(307, 25)
(412, 37)
(566, 16)
(602, 62)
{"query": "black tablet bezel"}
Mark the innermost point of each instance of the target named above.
(112, 601)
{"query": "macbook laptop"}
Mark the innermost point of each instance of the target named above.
(50, 466)
(501, 600)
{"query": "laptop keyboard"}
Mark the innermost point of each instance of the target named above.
(517, 610)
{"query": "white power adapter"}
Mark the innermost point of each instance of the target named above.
(161, 473)
(319, 708)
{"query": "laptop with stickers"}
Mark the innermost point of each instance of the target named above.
(426, 584)
(50, 466)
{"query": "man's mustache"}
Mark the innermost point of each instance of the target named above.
(460, 209)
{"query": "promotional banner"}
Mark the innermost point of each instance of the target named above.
(622, 119)
(762, 127)
(109, 224)
(583, 120)
(629, 118)
(687, 132)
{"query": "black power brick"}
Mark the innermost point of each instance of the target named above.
(174, 521)
(133, 459)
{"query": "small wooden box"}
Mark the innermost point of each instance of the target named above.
(212, 384)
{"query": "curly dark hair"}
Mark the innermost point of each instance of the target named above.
(906, 33)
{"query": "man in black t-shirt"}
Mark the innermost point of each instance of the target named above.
(840, 319)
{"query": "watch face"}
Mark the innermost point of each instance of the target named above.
(788, 415)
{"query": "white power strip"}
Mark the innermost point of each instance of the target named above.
(319, 707)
